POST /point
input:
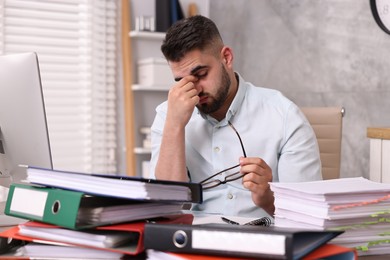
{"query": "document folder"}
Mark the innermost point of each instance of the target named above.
(46, 251)
(324, 252)
(117, 185)
(76, 210)
(232, 240)
(133, 247)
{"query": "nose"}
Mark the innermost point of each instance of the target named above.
(198, 86)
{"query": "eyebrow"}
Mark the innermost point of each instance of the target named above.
(193, 71)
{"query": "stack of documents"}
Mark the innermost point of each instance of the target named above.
(78, 200)
(90, 210)
(77, 210)
(358, 206)
(122, 239)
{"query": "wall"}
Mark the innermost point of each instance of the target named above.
(318, 53)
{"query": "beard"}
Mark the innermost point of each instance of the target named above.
(218, 100)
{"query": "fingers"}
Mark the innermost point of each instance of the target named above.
(186, 83)
(182, 99)
(256, 170)
(190, 91)
(257, 177)
(257, 174)
(184, 92)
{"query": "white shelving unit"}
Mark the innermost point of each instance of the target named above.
(146, 98)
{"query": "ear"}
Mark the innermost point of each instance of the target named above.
(227, 56)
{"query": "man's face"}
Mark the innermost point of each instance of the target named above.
(211, 103)
(213, 82)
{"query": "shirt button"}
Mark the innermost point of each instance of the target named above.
(230, 196)
(216, 149)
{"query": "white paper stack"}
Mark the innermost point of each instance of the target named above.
(359, 206)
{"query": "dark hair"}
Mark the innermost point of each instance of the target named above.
(195, 32)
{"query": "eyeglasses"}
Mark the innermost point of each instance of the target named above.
(211, 182)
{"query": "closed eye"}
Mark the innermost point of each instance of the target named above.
(201, 74)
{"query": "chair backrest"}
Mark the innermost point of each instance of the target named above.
(327, 125)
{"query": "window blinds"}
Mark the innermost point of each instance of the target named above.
(76, 45)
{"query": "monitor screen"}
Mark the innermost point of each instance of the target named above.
(24, 138)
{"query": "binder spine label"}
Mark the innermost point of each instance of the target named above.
(272, 244)
(28, 201)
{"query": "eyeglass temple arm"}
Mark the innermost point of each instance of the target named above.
(216, 174)
(242, 145)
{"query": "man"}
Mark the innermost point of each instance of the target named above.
(213, 120)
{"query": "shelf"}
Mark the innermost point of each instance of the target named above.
(142, 150)
(147, 35)
(137, 87)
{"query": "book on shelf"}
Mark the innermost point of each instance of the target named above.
(163, 15)
(357, 206)
(167, 13)
(235, 240)
(120, 186)
(77, 210)
(176, 11)
(125, 238)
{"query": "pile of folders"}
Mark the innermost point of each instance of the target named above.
(87, 216)
(80, 215)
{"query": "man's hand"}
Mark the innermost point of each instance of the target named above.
(256, 179)
(182, 99)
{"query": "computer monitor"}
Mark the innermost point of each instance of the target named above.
(24, 138)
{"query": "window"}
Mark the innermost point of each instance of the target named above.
(76, 43)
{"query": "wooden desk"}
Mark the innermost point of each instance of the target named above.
(379, 153)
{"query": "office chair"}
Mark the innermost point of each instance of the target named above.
(327, 125)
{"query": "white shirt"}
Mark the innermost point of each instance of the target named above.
(271, 127)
